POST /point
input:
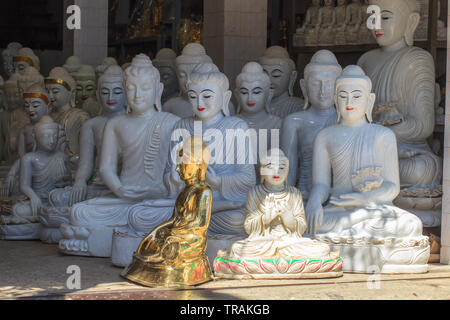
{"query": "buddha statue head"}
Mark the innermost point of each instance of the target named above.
(14, 98)
(253, 89)
(36, 102)
(192, 54)
(110, 90)
(281, 70)
(274, 168)
(46, 133)
(318, 85)
(29, 77)
(208, 91)
(86, 83)
(61, 88)
(73, 64)
(193, 160)
(25, 58)
(165, 63)
(399, 20)
(142, 85)
(107, 61)
(354, 98)
(11, 50)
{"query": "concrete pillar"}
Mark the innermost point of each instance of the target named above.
(445, 227)
(234, 33)
(90, 43)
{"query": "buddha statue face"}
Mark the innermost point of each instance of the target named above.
(142, 92)
(280, 77)
(191, 166)
(36, 108)
(354, 101)
(252, 96)
(274, 170)
(47, 138)
(183, 72)
(59, 95)
(169, 79)
(398, 22)
(207, 99)
(112, 96)
(85, 89)
(319, 87)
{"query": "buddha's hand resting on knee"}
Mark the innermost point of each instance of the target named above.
(132, 193)
(78, 193)
(36, 205)
(314, 215)
(355, 199)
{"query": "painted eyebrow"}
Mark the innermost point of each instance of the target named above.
(357, 91)
(207, 90)
(386, 11)
(257, 88)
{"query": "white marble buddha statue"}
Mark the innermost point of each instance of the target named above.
(281, 70)
(327, 22)
(275, 221)
(140, 141)
(229, 176)
(404, 83)
(165, 63)
(25, 58)
(301, 128)
(40, 172)
(29, 77)
(72, 65)
(355, 168)
(310, 28)
(107, 61)
(341, 15)
(61, 87)
(11, 50)
(86, 89)
(353, 21)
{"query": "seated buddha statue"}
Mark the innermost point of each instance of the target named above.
(107, 61)
(310, 28)
(40, 172)
(230, 175)
(165, 63)
(301, 128)
(275, 221)
(139, 140)
(353, 21)
(86, 88)
(404, 84)
(341, 15)
(12, 49)
(25, 58)
(61, 87)
(88, 183)
(174, 253)
(281, 70)
(355, 168)
(327, 23)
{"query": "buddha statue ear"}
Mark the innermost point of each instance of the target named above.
(269, 100)
(158, 104)
(413, 22)
(337, 109)
(237, 93)
(292, 82)
(371, 103)
(305, 93)
(226, 103)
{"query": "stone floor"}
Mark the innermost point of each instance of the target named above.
(32, 270)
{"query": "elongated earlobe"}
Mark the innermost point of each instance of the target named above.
(305, 93)
(292, 83)
(269, 100)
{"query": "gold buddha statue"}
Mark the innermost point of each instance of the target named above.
(174, 253)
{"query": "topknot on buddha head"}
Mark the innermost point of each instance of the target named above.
(73, 64)
(46, 122)
(252, 72)
(142, 66)
(193, 53)
(209, 72)
(61, 76)
(27, 56)
(113, 73)
(277, 55)
(165, 58)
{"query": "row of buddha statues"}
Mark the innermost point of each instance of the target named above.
(354, 150)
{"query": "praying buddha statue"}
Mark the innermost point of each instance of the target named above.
(107, 61)
(40, 172)
(404, 83)
(281, 70)
(301, 128)
(275, 221)
(61, 87)
(86, 89)
(25, 58)
(355, 169)
(139, 140)
(11, 50)
(174, 253)
(165, 63)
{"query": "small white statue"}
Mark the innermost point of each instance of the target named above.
(275, 221)
(140, 140)
(11, 50)
(25, 58)
(301, 128)
(355, 167)
(353, 21)
(85, 97)
(107, 61)
(165, 63)
(327, 23)
(310, 28)
(282, 72)
(341, 17)
(40, 172)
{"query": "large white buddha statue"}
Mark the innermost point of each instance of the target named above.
(355, 169)
(165, 63)
(25, 58)
(301, 128)
(86, 89)
(404, 83)
(40, 172)
(140, 141)
(230, 175)
(61, 87)
(11, 50)
(275, 221)
(281, 70)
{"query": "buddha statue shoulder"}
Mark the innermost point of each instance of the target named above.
(404, 82)
(275, 221)
(139, 140)
(165, 63)
(355, 166)
(174, 253)
(86, 88)
(281, 70)
(301, 128)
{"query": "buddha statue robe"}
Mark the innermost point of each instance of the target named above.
(285, 104)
